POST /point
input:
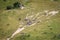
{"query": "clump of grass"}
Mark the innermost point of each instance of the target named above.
(19, 19)
(48, 26)
(44, 32)
(51, 28)
(8, 24)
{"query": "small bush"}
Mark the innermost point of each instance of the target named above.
(44, 32)
(54, 37)
(16, 5)
(28, 35)
(51, 28)
(48, 26)
(8, 24)
(58, 36)
(5, 0)
(9, 7)
(19, 19)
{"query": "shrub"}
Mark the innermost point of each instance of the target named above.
(19, 19)
(4, 0)
(9, 7)
(16, 5)
(8, 24)
(58, 36)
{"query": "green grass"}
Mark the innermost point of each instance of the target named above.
(39, 31)
(42, 31)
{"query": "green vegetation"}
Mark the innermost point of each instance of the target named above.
(22, 37)
(10, 19)
(9, 7)
(4, 0)
(16, 5)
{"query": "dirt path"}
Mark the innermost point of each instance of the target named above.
(16, 32)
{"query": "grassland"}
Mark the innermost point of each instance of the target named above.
(9, 20)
